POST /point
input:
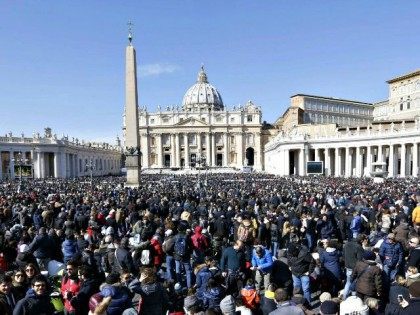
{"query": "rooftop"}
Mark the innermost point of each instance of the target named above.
(405, 76)
(331, 99)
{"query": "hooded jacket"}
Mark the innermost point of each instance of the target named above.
(203, 275)
(265, 262)
(302, 262)
(199, 241)
(330, 260)
(368, 278)
(33, 304)
(155, 301)
(121, 299)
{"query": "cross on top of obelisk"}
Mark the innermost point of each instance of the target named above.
(130, 31)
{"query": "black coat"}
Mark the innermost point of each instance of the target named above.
(155, 301)
(33, 304)
(352, 253)
(300, 260)
(81, 301)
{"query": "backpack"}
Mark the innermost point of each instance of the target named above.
(180, 246)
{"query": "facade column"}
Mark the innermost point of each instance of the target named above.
(146, 151)
(41, 157)
(391, 163)
(369, 160)
(337, 160)
(63, 164)
(173, 150)
(208, 149)
(76, 166)
(348, 162)
(403, 160)
(359, 170)
(199, 145)
(212, 150)
(225, 150)
(415, 159)
(177, 151)
(240, 150)
(302, 154)
(257, 152)
(286, 164)
(159, 150)
(186, 151)
(327, 164)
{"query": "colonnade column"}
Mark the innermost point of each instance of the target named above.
(391, 163)
(212, 150)
(186, 151)
(1, 167)
(317, 157)
(12, 164)
(348, 162)
(302, 154)
(415, 159)
(199, 145)
(337, 166)
(57, 164)
(379, 158)
(327, 165)
(369, 160)
(146, 151)
(286, 166)
(225, 150)
(359, 170)
(403, 162)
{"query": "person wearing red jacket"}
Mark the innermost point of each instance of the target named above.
(70, 286)
(200, 244)
(157, 251)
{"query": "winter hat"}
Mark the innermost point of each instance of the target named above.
(227, 305)
(112, 278)
(329, 308)
(177, 286)
(414, 289)
(369, 255)
(168, 232)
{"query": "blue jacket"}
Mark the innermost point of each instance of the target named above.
(42, 246)
(202, 277)
(69, 248)
(356, 224)
(265, 262)
(391, 254)
(212, 297)
(330, 260)
(121, 299)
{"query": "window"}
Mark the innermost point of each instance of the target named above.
(232, 139)
(408, 105)
(165, 120)
(152, 120)
(232, 119)
(401, 106)
(249, 118)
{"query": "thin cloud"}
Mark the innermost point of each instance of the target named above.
(156, 69)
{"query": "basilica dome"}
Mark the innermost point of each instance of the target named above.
(202, 95)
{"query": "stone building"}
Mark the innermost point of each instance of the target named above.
(48, 156)
(386, 132)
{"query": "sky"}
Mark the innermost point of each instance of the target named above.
(62, 62)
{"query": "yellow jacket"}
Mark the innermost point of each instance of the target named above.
(416, 215)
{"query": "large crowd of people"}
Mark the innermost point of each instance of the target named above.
(219, 244)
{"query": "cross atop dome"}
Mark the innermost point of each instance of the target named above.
(202, 76)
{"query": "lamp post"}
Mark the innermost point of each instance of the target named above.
(91, 166)
(20, 160)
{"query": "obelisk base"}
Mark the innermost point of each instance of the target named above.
(132, 164)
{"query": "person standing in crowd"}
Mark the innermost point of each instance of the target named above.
(7, 298)
(284, 305)
(232, 263)
(368, 277)
(356, 224)
(168, 249)
(70, 287)
(413, 258)
(330, 262)
(391, 254)
(352, 253)
(122, 257)
(182, 254)
(302, 265)
(37, 300)
(42, 247)
(413, 305)
(88, 287)
(262, 263)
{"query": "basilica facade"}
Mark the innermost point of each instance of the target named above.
(350, 137)
(202, 132)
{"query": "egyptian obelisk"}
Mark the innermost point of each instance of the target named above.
(132, 140)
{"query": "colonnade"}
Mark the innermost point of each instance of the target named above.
(351, 160)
